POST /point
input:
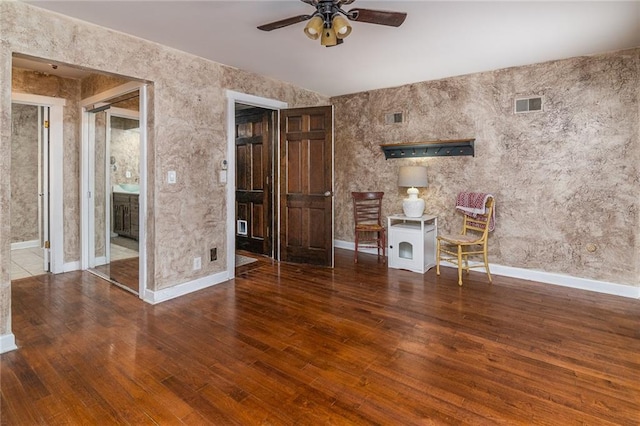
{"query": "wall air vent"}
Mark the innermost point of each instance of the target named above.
(393, 118)
(533, 104)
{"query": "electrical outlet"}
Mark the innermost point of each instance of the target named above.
(214, 254)
(197, 263)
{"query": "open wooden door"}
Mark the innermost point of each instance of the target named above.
(254, 180)
(306, 185)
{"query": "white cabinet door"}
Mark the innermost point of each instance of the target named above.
(406, 247)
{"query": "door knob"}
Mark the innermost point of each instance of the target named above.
(328, 194)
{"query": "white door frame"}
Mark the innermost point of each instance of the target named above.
(91, 151)
(243, 98)
(85, 180)
(56, 180)
(44, 115)
(111, 112)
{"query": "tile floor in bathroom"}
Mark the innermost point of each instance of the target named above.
(28, 262)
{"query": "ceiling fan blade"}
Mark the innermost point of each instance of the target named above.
(284, 22)
(380, 17)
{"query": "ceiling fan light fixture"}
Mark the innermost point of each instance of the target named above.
(328, 37)
(329, 21)
(314, 27)
(341, 26)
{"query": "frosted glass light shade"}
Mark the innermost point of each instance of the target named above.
(341, 26)
(314, 28)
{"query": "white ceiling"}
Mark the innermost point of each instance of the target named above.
(438, 39)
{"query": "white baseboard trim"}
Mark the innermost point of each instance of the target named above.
(25, 244)
(7, 343)
(155, 297)
(100, 261)
(71, 266)
(539, 276)
(566, 281)
(348, 245)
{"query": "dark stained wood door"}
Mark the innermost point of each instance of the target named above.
(306, 185)
(254, 180)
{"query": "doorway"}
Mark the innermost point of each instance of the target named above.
(113, 175)
(233, 99)
(296, 208)
(254, 199)
(36, 202)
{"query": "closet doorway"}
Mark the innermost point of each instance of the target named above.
(113, 174)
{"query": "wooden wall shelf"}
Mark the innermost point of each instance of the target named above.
(444, 148)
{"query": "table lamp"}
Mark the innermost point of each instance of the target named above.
(413, 176)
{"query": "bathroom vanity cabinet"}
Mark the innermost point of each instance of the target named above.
(125, 215)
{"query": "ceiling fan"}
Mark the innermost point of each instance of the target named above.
(328, 21)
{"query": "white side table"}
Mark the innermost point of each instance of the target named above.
(412, 242)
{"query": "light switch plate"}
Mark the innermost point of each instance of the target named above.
(171, 176)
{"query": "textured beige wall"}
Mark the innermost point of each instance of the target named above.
(125, 149)
(24, 173)
(98, 83)
(100, 180)
(187, 133)
(563, 178)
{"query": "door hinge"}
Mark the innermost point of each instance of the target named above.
(46, 124)
(47, 244)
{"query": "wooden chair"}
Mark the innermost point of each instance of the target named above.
(367, 215)
(471, 242)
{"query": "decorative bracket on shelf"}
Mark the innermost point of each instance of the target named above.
(445, 148)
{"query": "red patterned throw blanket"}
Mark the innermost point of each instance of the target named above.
(473, 204)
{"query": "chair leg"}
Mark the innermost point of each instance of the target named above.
(438, 257)
(384, 246)
(459, 265)
(355, 253)
(486, 264)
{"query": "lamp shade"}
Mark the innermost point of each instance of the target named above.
(341, 26)
(314, 27)
(412, 176)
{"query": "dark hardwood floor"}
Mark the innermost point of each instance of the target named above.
(290, 344)
(125, 272)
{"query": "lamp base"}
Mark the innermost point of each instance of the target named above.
(413, 207)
